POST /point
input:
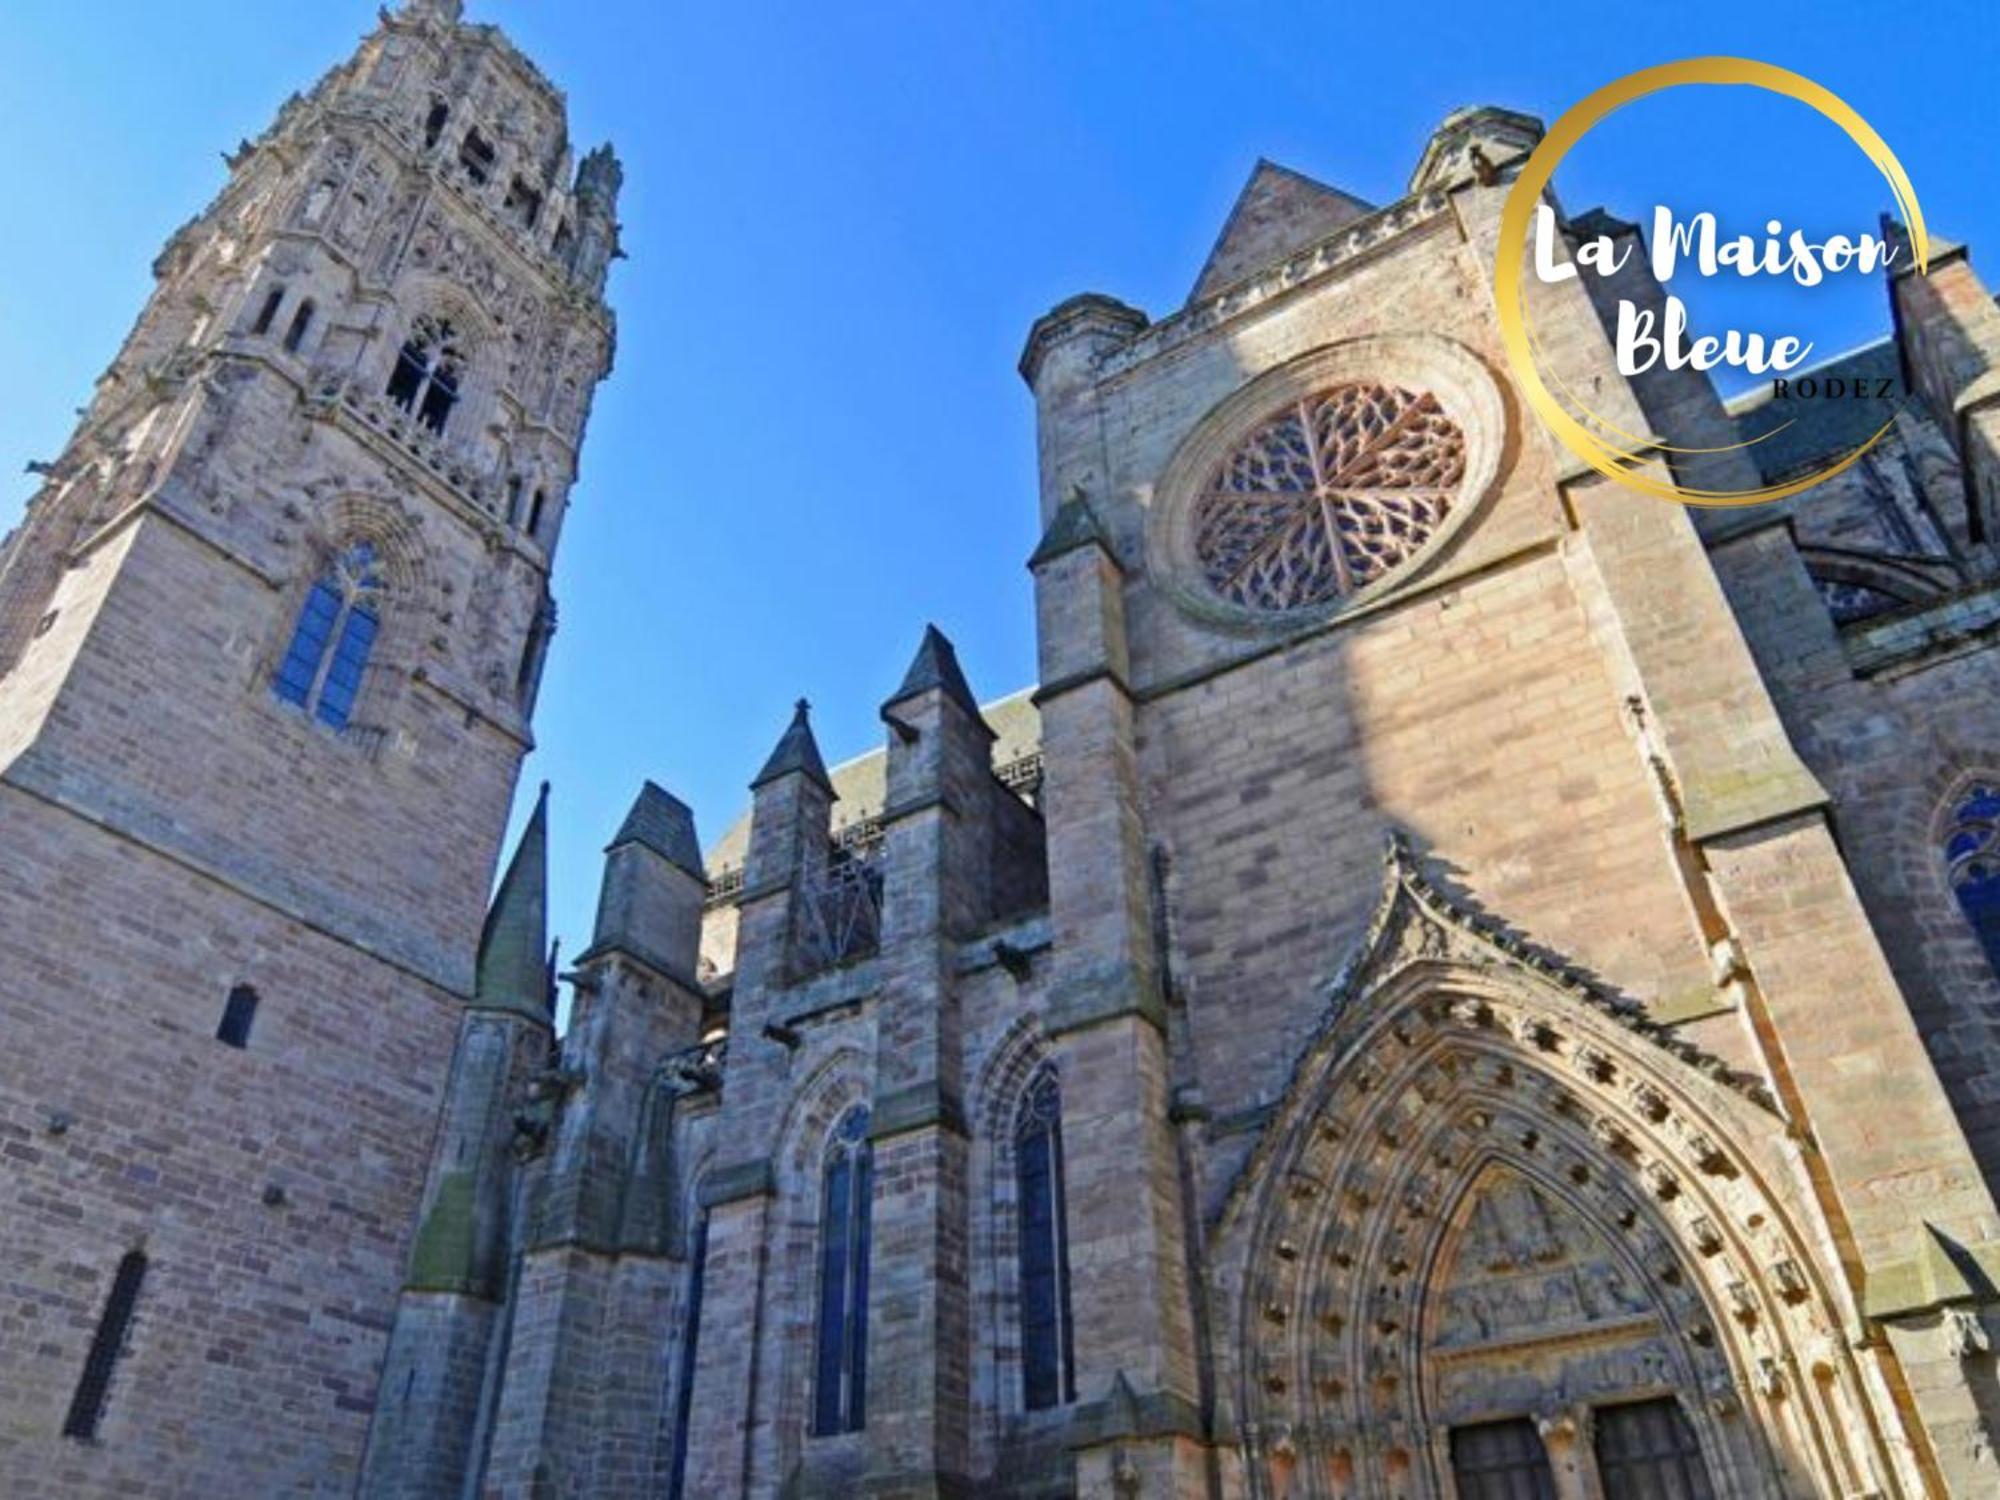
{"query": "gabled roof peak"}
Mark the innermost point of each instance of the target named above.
(1278, 211)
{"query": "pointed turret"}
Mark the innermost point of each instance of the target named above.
(797, 751)
(936, 666)
(650, 905)
(513, 948)
(664, 824)
(1075, 525)
(1277, 212)
(1474, 144)
(598, 179)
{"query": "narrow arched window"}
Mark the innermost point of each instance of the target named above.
(514, 500)
(528, 676)
(434, 123)
(1048, 1362)
(1972, 858)
(426, 376)
(535, 508)
(840, 1365)
(301, 321)
(336, 630)
(268, 313)
(93, 1387)
(690, 1334)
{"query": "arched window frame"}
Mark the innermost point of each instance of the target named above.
(333, 636)
(1048, 1354)
(1971, 850)
(426, 379)
(840, 1324)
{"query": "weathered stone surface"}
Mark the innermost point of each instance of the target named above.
(1655, 1060)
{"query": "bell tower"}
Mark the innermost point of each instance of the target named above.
(270, 639)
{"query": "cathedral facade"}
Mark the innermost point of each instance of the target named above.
(1458, 981)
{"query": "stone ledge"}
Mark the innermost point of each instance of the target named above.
(756, 1178)
(1093, 999)
(1125, 1413)
(918, 1107)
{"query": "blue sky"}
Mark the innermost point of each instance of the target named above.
(843, 219)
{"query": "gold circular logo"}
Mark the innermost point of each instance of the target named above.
(1516, 218)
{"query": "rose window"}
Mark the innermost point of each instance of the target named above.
(1328, 495)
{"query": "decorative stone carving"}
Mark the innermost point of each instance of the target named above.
(1556, 1269)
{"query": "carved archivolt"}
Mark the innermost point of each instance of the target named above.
(1494, 1191)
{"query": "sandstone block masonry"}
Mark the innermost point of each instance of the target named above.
(270, 637)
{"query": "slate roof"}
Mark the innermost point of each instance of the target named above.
(663, 823)
(1799, 431)
(513, 968)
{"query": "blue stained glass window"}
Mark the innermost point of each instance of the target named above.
(840, 1365)
(1972, 858)
(1048, 1361)
(323, 667)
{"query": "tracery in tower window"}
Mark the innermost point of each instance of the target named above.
(1327, 495)
(426, 376)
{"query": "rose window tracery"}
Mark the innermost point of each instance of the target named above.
(1327, 495)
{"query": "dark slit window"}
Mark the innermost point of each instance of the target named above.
(86, 1408)
(840, 1365)
(1649, 1448)
(1502, 1461)
(434, 123)
(237, 1014)
(301, 321)
(1048, 1365)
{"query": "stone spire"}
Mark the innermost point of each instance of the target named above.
(797, 751)
(513, 948)
(600, 175)
(936, 666)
